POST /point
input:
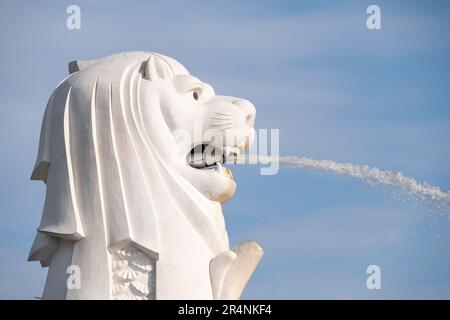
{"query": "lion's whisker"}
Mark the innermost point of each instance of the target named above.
(221, 129)
(220, 124)
(222, 114)
(222, 118)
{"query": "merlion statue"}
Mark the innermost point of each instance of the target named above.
(130, 210)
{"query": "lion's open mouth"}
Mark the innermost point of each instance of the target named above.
(208, 156)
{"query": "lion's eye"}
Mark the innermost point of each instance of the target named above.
(195, 95)
(195, 92)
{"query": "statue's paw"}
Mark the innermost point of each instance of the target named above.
(231, 270)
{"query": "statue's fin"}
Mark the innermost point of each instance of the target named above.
(40, 172)
(231, 270)
(43, 248)
(218, 269)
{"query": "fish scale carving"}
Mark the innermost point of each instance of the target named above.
(133, 275)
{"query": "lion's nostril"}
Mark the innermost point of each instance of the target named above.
(248, 109)
(249, 119)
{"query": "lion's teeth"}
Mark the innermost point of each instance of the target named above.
(231, 151)
(227, 151)
(236, 151)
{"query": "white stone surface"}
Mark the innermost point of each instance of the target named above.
(127, 202)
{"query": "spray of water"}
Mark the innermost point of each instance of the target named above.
(397, 182)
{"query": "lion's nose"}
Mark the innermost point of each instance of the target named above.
(248, 109)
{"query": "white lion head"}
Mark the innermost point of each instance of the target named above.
(123, 143)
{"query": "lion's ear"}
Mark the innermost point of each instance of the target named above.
(78, 65)
(156, 68)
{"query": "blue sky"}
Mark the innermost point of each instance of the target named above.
(335, 89)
